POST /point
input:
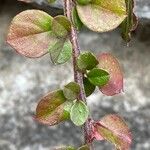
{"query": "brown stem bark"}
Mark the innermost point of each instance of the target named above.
(78, 76)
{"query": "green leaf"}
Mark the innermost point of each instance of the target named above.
(50, 109)
(130, 23)
(79, 113)
(84, 2)
(30, 33)
(60, 51)
(76, 20)
(86, 61)
(98, 77)
(114, 129)
(88, 87)
(102, 15)
(84, 147)
(61, 26)
(71, 90)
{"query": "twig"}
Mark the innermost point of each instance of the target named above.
(78, 76)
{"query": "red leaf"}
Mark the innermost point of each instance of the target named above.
(113, 129)
(30, 33)
(111, 65)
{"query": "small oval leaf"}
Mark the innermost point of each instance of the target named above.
(102, 15)
(98, 77)
(30, 33)
(86, 61)
(114, 129)
(112, 66)
(79, 113)
(50, 109)
(61, 26)
(71, 90)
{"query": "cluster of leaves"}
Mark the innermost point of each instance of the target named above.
(34, 33)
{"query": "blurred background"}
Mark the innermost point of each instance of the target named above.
(23, 81)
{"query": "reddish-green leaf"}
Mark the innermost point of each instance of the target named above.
(30, 33)
(111, 65)
(102, 15)
(50, 110)
(71, 90)
(113, 129)
(61, 26)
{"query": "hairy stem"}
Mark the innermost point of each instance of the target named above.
(78, 76)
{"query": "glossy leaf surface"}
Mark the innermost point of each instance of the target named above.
(102, 15)
(79, 113)
(98, 77)
(111, 65)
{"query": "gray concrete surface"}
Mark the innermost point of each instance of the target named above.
(23, 81)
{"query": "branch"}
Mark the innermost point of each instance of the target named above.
(78, 76)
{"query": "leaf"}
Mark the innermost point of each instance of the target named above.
(88, 87)
(30, 33)
(65, 148)
(84, 2)
(130, 23)
(79, 113)
(50, 109)
(76, 20)
(102, 15)
(60, 51)
(84, 147)
(112, 66)
(98, 77)
(86, 61)
(61, 26)
(71, 90)
(113, 129)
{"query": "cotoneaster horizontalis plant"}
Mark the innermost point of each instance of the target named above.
(34, 33)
